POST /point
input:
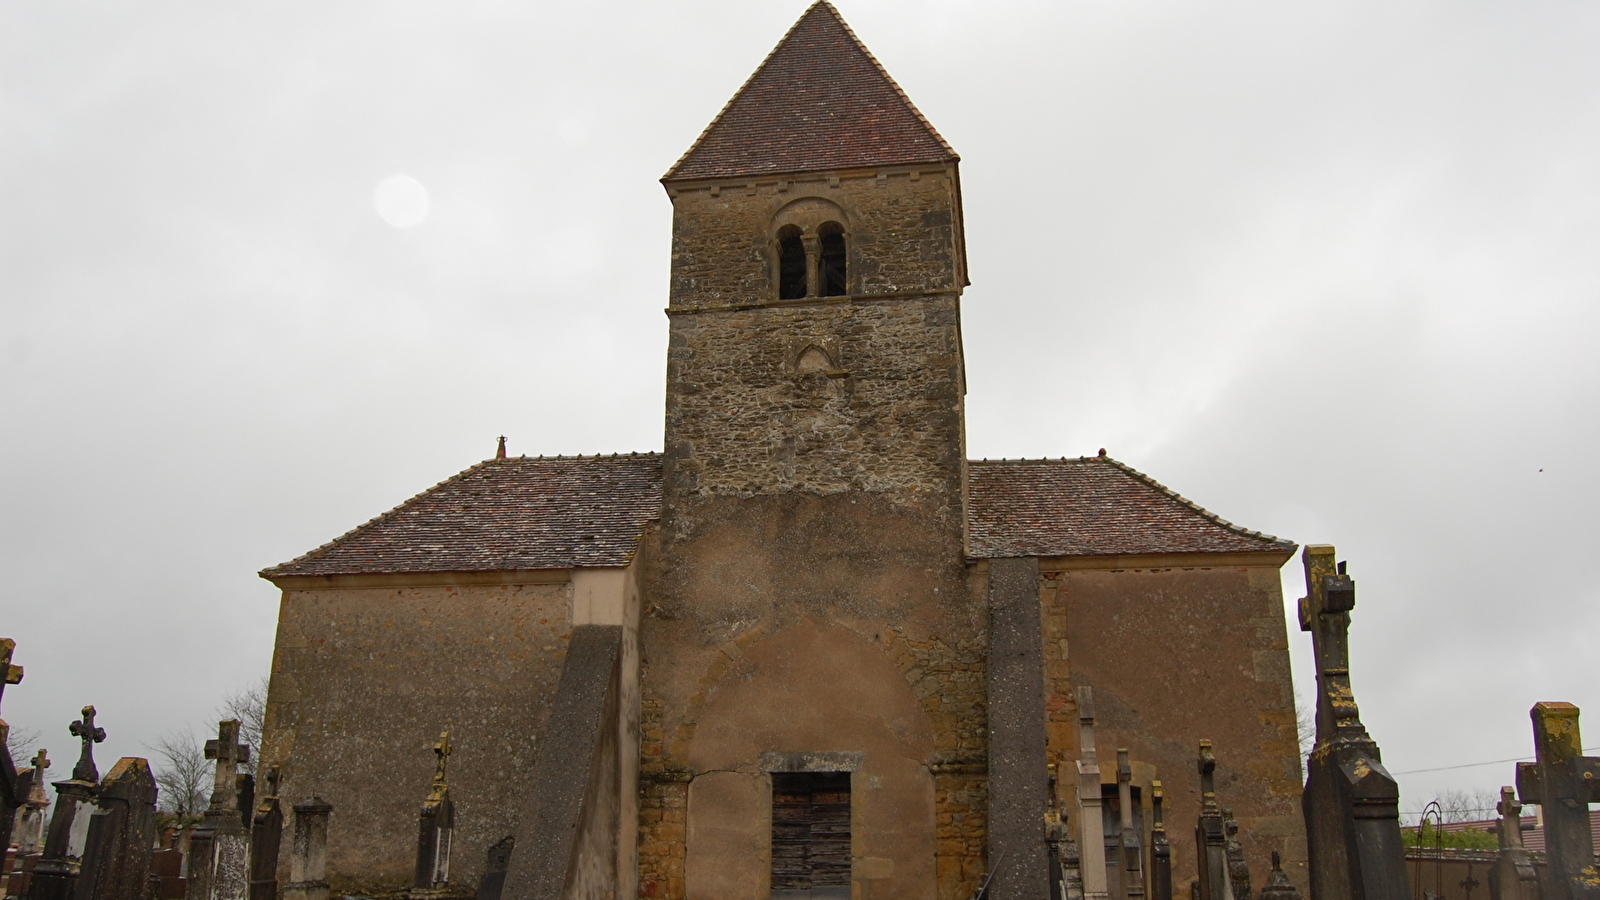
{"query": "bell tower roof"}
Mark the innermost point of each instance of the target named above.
(819, 101)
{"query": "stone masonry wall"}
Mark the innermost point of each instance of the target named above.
(1176, 654)
(902, 230)
(363, 681)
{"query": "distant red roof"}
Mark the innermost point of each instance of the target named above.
(1091, 506)
(516, 513)
(571, 511)
(819, 101)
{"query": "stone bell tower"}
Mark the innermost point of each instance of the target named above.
(810, 631)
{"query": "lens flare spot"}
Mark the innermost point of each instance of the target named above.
(400, 200)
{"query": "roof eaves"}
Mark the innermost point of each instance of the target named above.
(1236, 529)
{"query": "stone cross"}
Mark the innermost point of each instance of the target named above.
(90, 734)
(1160, 848)
(228, 753)
(1211, 842)
(31, 837)
(1132, 853)
(435, 826)
(1563, 782)
(1351, 802)
(1278, 886)
(1512, 877)
(13, 676)
(1091, 828)
(10, 791)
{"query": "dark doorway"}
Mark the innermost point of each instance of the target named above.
(811, 835)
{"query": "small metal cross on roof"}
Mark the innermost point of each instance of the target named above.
(441, 749)
(85, 730)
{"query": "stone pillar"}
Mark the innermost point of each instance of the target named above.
(56, 874)
(1351, 802)
(1091, 824)
(266, 836)
(1210, 838)
(1160, 848)
(308, 867)
(1018, 779)
(121, 835)
(1563, 782)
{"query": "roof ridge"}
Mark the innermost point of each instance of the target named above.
(819, 8)
(620, 454)
(379, 518)
(1146, 479)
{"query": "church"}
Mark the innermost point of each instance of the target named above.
(809, 648)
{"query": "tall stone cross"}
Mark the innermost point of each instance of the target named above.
(13, 676)
(1351, 802)
(1211, 841)
(90, 734)
(228, 753)
(1563, 782)
(1091, 842)
(41, 762)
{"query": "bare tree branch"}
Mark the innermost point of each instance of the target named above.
(185, 776)
(249, 706)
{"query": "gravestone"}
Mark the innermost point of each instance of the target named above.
(1238, 868)
(166, 874)
(1131, 851)
(1512, 877)
(1160, 848)
(1278, 886)
(1351, 802)
(1091, 828)
(1066, 882)
(493, 881)
(266, 835)
(308, 866)
(11, 794)
(30, 835)
(435, 826)
(55, 875)
(1210, 838)
(219, 849)
(1563, 782)
(122, 835)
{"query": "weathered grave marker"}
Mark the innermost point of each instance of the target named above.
(1091, 830)
(30, 837)
(1066, 881)
(1129, 844)
(1278, 886)
(56, 874)
(308, 866)
(1351, 803)
(1512, 877)
(1563, 782)
(434, 829)
(219, 849)
(122, 833)
(266, 835)
(11, 796)
(1160, 848)
(1238, 869)
(1211, 842)
(493, 882)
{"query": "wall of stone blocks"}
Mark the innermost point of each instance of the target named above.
(1178, 651)
(363, 681)
(902, 229)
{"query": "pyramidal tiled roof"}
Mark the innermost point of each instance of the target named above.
(504, 514)
(819, 101)
(1091, 506)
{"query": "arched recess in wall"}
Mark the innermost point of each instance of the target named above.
(817, 689)
(811, 249)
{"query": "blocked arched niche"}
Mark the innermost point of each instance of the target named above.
(811, 688)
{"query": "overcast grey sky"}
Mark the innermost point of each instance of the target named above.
(1327, 269)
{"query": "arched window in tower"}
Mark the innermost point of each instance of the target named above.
(832, 274)
(791, 264)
